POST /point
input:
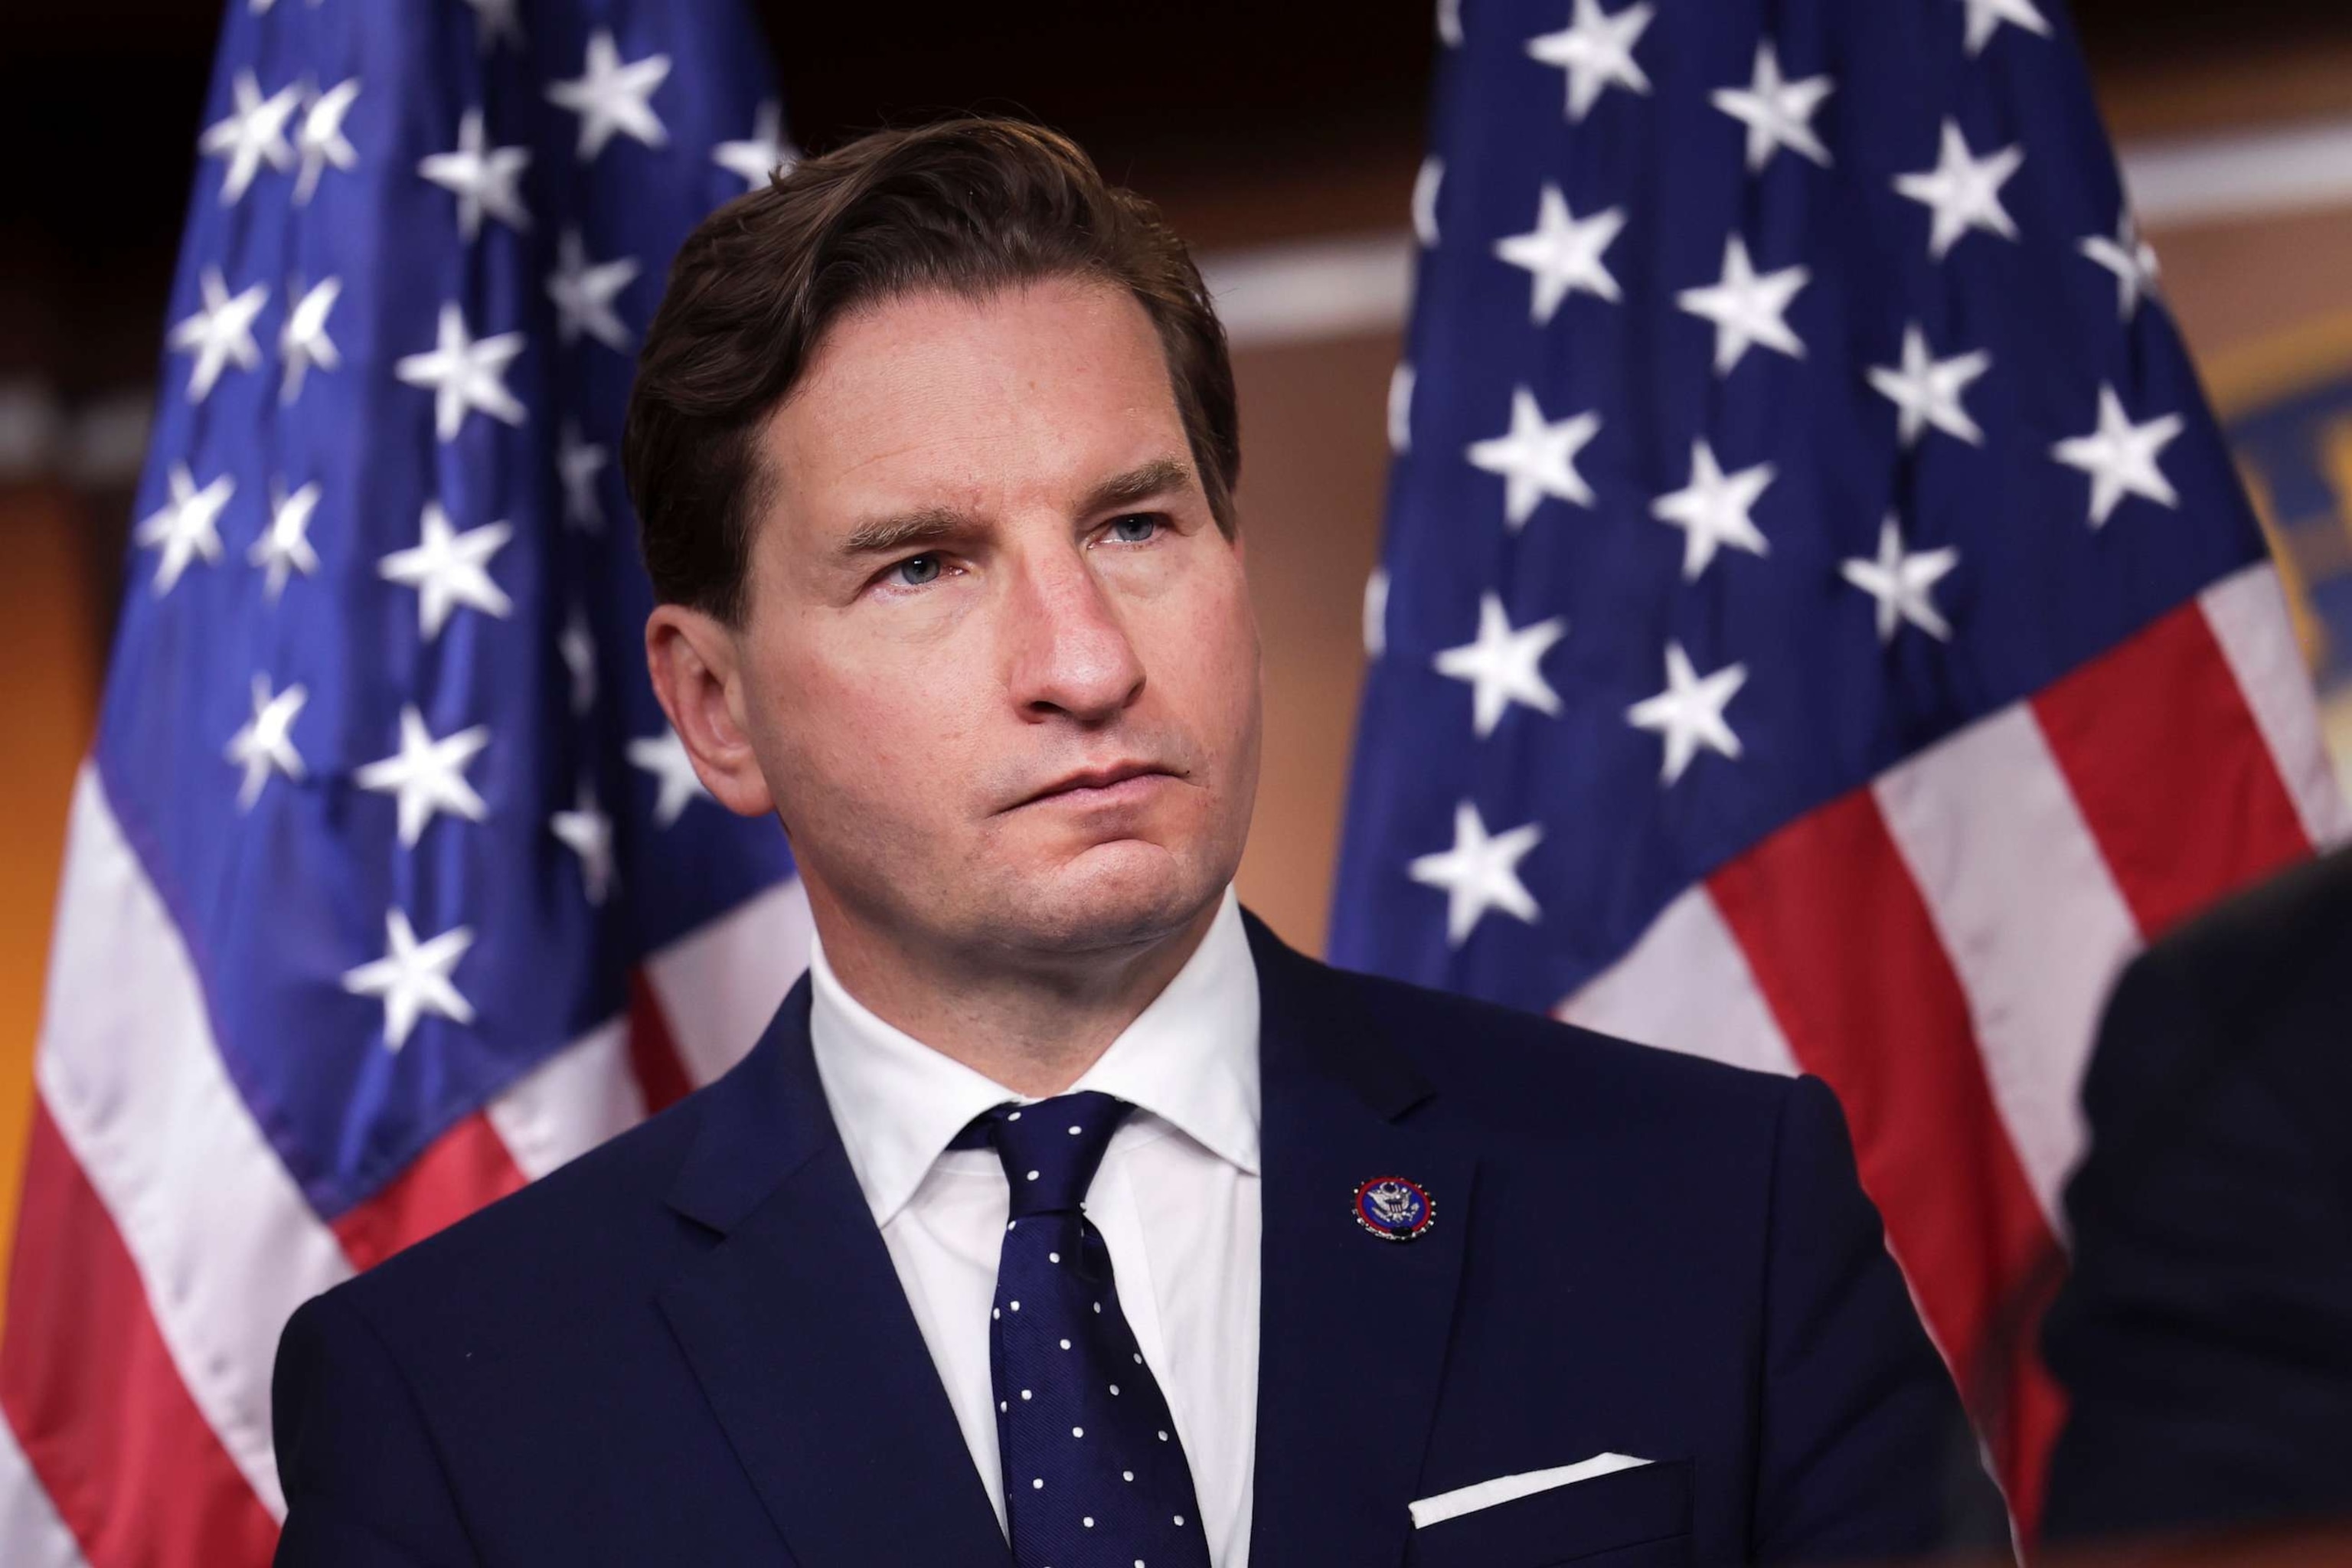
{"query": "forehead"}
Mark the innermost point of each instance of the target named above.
(1033, 388)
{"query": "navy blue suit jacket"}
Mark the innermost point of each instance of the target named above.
(690, 1347)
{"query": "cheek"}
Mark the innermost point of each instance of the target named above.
(875, 736)
(1211, 653)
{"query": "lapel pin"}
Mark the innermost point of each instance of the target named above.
(1394, 1209)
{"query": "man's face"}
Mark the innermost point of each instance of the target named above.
(1000, 669)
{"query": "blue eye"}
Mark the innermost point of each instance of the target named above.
(1136, 527)
(915, 571)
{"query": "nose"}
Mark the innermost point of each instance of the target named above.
(1070, 652)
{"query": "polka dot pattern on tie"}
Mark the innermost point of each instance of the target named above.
(1109, 1485)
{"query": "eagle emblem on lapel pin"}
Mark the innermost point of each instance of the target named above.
(1394, 1208)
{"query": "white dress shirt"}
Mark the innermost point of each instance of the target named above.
(1176, 1200)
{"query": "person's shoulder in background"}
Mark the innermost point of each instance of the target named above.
(2204, 1334)
(2264, 966)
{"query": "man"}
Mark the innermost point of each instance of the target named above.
(1063, 1216)
(2204, 1336)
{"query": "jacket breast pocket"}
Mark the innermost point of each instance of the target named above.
(1639, 1517)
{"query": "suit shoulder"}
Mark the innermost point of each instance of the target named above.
(1518, 1065)
(571, 1230)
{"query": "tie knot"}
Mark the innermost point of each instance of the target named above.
(1050, 1149)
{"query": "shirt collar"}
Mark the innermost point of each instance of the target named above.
(1191, 1059)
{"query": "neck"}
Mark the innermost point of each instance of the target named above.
(1032, 1023)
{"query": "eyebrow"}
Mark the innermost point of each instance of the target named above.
(935, 524)
(1140, 483)
(885, 535)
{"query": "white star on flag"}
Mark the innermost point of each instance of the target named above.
(1689, 712)
(2131, 258)
(578, 650)
(1400, 407)
(449, 569)
(1713, 510)
(266, 745)
(1502, 666)
(220, 333)
(1479, 873)
(1426, 185)
(484, 179)
(1985, 17)
(1376, 612)
(1563, 253)
(610, 96)
(413, 978)
(1902, 582)
(587, 832)
(1449, 23)
(1536, 457)
(253, 134)
(1963, 191)
(664, 756)
(1926, 390)
(318, 141)
(493, 20)
(764, 152)
(1596, 50)
(577, 464)
(1778, 113)
(284, 546)
(2121, 456)
(303, 341)
(186, 526)
(583, 292)
(465, 373)
(1747, 308)
(428, 775)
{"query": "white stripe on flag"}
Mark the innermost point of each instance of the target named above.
(570, 1103)
(225, 1245)
(2027, 913)
(2248, 614)
(31, 1533)
(1686, 986)
(720, 985)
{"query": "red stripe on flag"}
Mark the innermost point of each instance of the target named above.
(131, 1464)
(653, 1048)
(2174, 778)
(1843, 951)
(459, 1172)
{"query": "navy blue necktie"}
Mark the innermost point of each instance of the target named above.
(1094, 1473)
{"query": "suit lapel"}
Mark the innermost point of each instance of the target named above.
(1353, 1329)
(799, 1331)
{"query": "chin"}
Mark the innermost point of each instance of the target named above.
(1122, 894)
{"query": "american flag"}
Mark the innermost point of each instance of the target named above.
(387, 888)
(1819, 623)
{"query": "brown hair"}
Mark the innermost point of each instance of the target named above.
(968, 206)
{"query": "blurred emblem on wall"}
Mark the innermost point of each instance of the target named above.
(2287, 407)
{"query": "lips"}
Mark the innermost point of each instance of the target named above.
(1098, 778)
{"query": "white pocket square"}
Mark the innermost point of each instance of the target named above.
(1436, 1510)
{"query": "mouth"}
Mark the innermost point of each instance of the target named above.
(1112, 781)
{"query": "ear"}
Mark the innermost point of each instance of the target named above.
(697, 677)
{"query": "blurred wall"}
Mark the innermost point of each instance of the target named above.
(47, 701)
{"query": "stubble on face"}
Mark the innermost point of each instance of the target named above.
(1001, 668)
